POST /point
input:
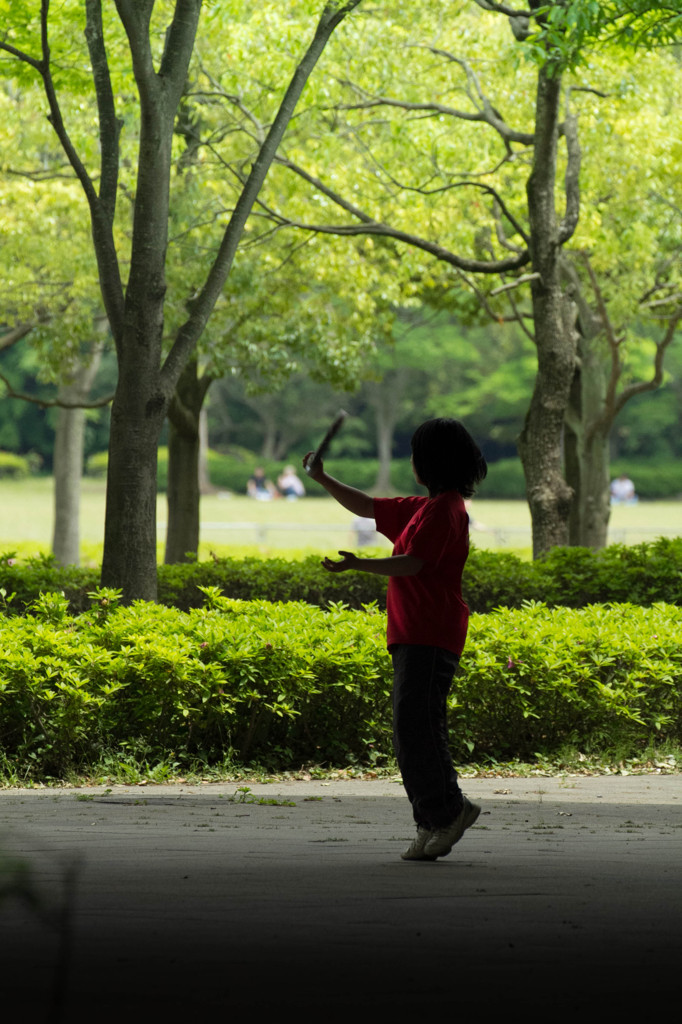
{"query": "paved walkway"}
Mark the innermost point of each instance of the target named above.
(174, 903)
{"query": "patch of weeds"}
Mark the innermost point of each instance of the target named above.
(243, 795)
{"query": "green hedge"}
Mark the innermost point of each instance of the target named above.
(505, 480)
(653, 478)
(231, 472)
(287, 684)
(574, 577)
(14, 466)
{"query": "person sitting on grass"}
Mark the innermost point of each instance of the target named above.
(259, 487)
(622, 491)
(289, 484)
(427, 618)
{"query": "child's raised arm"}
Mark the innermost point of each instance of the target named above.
(357, 502)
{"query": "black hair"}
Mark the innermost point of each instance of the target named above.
(446, 457)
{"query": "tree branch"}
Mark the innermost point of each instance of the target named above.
(510, 12)
(520, 318)
(179, 47)
(523, 279)
(506, 212)
(25, 58)
(333, 14)
(571, 179)
(39, 175)
(369, 226)
(657, 378)
(46, 403)
(109, 125)
(182, 418)
(105, 250)
(485, 113)
(135, 17)
(614, 402)
(55, 117)
(516, 317)
(610, 402)
(380, 230)
(15, 334)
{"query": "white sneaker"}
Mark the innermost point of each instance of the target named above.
(415, 851)
(439, 842)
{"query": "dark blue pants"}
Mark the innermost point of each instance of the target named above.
(422, 677)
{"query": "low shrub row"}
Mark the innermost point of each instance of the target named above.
(287, 684)
(653, 478)
(14, 466)
(573, 577)
(231, 472)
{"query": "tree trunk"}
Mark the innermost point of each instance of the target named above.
(587, 446)
(129, 560)
(385, 423)
(268, 417)
(541, 441)
(572, 431)
(205, 485)
(183, 496)
(595, 507)
(589, 419)
(68, 466)
(142, 395)
(68, 462)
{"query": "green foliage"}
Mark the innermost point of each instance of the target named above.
(655, 478)
(637, 24)
(571, 577)
(536, 678)
(505, 479)
(282, 678)
(286, 684)
(575, 577)
(231, 472)
(28, 580)
(275, 579)
(14, 466)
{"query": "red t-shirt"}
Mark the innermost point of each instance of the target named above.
(427, 608)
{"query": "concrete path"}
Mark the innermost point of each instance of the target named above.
(178, 902)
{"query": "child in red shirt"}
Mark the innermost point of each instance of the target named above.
(427, 618)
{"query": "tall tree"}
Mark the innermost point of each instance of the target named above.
(49, 290)
(411, 156)
(159, 40)
(504, 238)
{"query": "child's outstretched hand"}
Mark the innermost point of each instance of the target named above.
(348, 561)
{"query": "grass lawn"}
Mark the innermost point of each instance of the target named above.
(236, 524)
